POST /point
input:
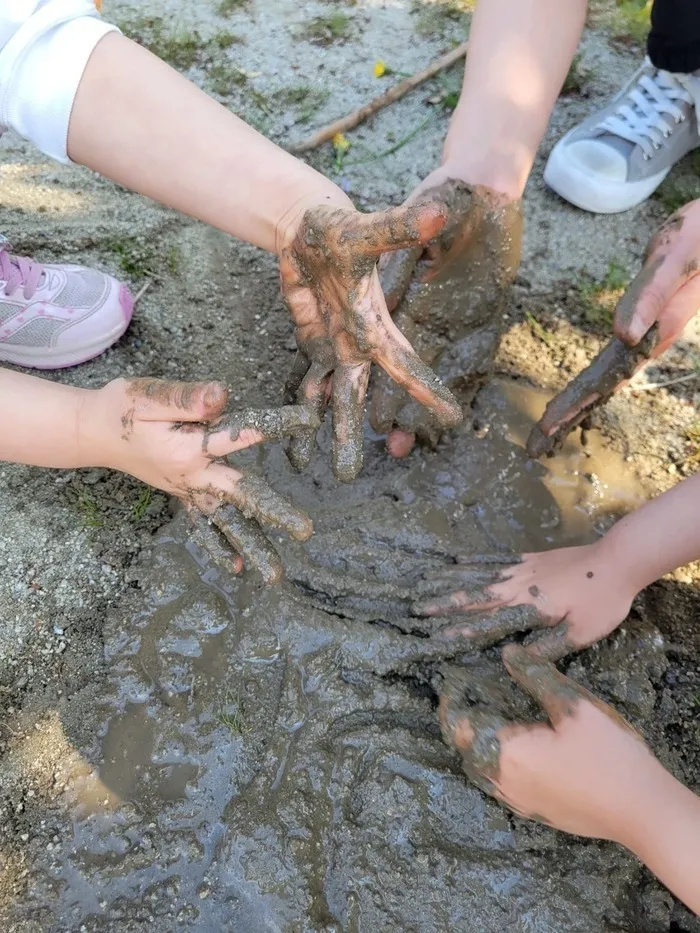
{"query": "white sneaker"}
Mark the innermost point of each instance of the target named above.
(619, 156)
(53, 316)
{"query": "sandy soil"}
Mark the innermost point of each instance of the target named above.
(73, 546)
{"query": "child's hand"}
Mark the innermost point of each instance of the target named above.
(577, 596)
(175, 436)
(587, 773)
(330, 282)
(667, 290)
(449, 300)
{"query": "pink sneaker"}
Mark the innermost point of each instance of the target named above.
(57, 316)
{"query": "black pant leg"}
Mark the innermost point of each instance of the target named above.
(674, 39)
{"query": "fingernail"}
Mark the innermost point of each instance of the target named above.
(214, 394)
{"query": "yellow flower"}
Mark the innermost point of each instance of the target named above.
(379, 69)
(340, 143)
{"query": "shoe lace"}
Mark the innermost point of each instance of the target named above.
(18, 271)
(649, 111)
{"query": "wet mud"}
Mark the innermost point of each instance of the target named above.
(270, 759)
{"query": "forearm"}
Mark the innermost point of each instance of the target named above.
(139, 122)
(518, 57)
(667, 838)
(661, 536)
(40, 422)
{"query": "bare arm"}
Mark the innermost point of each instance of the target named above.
(519, 54)
(661, 536)
(139, 122)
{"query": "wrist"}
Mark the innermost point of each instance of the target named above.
(502, 171)
(325, 194)
(626, 557)
(644, 813)
(100, 418)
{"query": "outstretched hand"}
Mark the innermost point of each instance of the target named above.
(568, 598)
(176, 436)
(330, 283)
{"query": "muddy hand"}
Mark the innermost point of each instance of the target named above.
(567, 598)
(667, 290)
(612, 368)
(575, 773)
(176, 436)
(649, 317)
(449, 300)
(330, 282)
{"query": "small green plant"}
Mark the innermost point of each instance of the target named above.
(229, 7)
(140, 507)
(538, 330)
(90, 510)
(576, 78)
(630, 21)
(222, 77)
(682, 185)
(322, 30)
(433, 19)
(600, 298)
(231, 714)
(136, 257)
(173, 259)
(178, 47)
(224, 40)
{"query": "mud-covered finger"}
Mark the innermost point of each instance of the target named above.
(246, 537)
(552, 644)
(254, 498)
(300, 368)
(349, 392)
(613, 366)
(395, 274)
(205, 535)
(402, 227)
(253, 426)
(402, 363)
(387, 400)
(313, 393)
(477, 632)
(460, 575)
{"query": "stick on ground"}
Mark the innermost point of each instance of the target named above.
(392, 95)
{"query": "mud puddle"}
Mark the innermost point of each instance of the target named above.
(269, 759)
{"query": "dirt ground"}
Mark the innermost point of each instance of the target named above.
(181, 750)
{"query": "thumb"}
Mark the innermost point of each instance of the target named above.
(169, 400)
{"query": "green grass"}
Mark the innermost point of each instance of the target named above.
(600, 298)
(577, 78)
(224, 40)
(630, 21)
(140, 507)
(90, 510)
(136, 257)
(682, 185)
(229, 7)
(323, 30)
(538, 330)
(176, 46)
(433, 19)
(231, 714)
(223, 76)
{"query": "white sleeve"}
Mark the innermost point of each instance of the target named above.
(44, 48)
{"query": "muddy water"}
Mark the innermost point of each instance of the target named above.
(269, 759)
